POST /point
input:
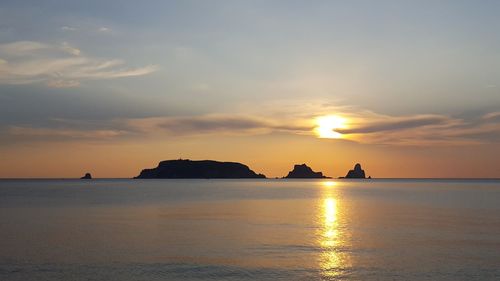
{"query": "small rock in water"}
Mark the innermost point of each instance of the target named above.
(87, 176)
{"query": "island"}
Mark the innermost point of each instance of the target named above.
(356, 173)
(304, 172)
(87, 176)
(202, 169)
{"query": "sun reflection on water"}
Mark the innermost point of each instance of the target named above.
(329, 183)
(333, 259)
(330, 217)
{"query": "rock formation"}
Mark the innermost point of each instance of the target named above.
(205, 169)
(87, 176)
(303, 172)
(356, 173)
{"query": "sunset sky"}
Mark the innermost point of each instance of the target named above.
(406, 88)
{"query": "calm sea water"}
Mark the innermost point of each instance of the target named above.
(249, 230)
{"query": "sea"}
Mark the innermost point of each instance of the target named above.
(256, 229)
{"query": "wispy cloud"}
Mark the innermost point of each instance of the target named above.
(68, 28)
(70, 49)
(64, 133)
(21, 48)
(364, 127)
(396, 124)
(493, 116)
(62, 65)
(55, 83)
(216, 124)
(104, 29)
(423, 130)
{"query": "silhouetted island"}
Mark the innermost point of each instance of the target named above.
(356, 173)
(303, 172)
(87, 176)
(204, 169)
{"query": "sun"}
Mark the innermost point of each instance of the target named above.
(326, 126)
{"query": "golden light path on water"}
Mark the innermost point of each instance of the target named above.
(331, 238)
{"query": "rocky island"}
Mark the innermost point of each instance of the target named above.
(356, 173)
(304, 172)
(204, 169)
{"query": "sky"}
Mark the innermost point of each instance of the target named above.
(406, 88)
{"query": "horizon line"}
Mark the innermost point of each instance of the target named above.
(270, 178)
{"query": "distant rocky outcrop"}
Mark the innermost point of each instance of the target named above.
(356, 173)
(87, 176)
(303, 172)
(204, 169)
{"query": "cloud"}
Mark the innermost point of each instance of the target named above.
(68, 28)
(363, 126)
(64, 133)
(216, 124)
(21, 48)
(493, 116)
(63, 83)
(70, 50)
(104, 29)
(26, 62)
(163, 127)
(397, 124)
(423, 130)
